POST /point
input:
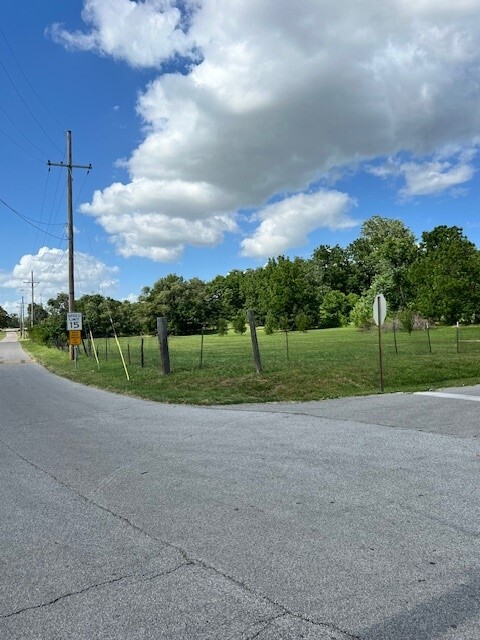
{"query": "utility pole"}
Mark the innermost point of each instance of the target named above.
(21, 319)
(32, 283)
(71, 272)
(22, 315)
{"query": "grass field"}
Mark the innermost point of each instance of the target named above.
(321, 364)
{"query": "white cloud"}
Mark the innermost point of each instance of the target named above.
(50, 273)
(282, 93)
(428, 178)
(286, 224)
(163, 238)
(142, 33)
(433, 177)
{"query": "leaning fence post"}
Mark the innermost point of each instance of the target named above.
(163, 342)
(253, 335)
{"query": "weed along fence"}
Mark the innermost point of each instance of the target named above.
(213, 368)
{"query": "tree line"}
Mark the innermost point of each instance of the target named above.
(437, 278)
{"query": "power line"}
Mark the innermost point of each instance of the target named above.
(29, 220)
(28, 81)
(20, 146)
(26, 105)
(22, 134)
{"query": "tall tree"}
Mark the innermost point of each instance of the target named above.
(383, 256)
(331, 268)
(288, 289)
(227, 294)
(4, 318)
(446, 276)
(186, 304)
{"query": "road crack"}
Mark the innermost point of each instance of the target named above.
(97, 585)
(188, 561)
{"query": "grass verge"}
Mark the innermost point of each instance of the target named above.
(320, 364)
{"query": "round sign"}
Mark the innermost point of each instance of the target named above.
(379, 309)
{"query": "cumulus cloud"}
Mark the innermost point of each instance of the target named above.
(50, 271)
(434, 177)
(430, 177)
(142, 33)
(278, 94)
(287, 223)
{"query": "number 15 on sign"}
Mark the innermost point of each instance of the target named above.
(74, 321)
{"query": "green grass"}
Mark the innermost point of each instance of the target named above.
(322, 364)
(2, 335)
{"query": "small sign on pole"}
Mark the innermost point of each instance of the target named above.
(74, 322)
(379, 309)
(75, 338)
(379, 315)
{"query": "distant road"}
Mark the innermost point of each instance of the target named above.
(11, 351)
(341, 519)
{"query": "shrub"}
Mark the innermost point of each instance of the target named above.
(407, 319)
(271, 324)
(222, 327)
(302, 322)
(239, 324)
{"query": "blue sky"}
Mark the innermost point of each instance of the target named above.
(221, 134)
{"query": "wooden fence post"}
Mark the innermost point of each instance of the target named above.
(163, 342)
(253, 335)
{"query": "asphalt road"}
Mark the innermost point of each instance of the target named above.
(126, 519)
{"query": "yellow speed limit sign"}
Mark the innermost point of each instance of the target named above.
(75, 337)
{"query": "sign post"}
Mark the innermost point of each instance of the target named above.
(379, 315)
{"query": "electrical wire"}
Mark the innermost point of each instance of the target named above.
(30, 221)
(23, 135)
(20, 146)
(27, 107)
(28, 81)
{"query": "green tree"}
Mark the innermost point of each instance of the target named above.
(239, 324)
(362, 313)
(331, 269)
(227, 294)
(187, 305)
(4, 319)
(446, 276)
(288, 289)
(382, 258)
(335, 309)
(58, 305)
(96, 312)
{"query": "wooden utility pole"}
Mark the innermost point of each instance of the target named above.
(32, 283)
(71, 271)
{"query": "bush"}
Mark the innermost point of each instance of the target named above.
(271, 324)
(407, 319)
(239, 324)
(302, 322)
(362, 313)
(284, 323)
(222, 327)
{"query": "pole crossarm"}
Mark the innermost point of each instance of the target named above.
(89, 167)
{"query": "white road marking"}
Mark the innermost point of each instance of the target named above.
(452, 396)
